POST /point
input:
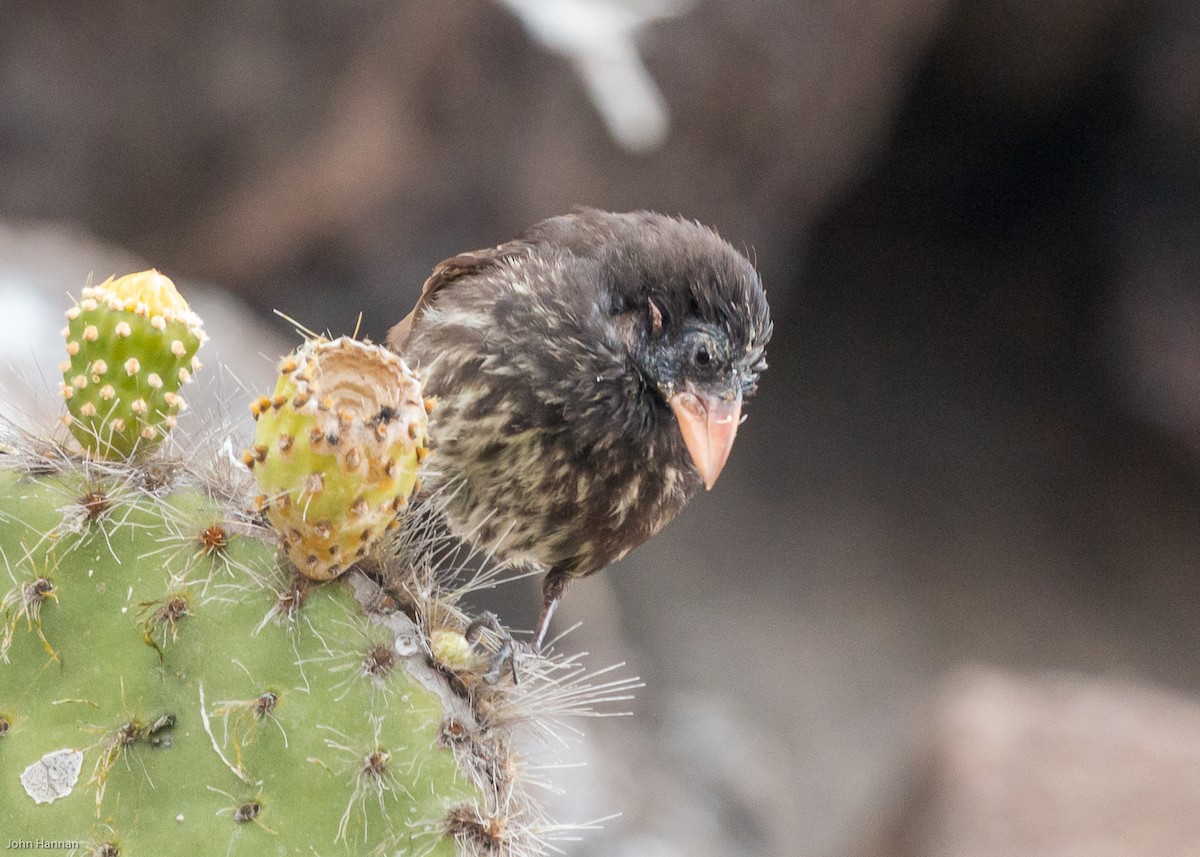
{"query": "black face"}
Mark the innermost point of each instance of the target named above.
(697, 355)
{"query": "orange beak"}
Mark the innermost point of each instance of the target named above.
(708, 424)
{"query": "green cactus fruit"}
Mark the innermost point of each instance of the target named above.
(336, 451)
(131, 345)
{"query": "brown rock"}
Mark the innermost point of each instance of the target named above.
(1055, 765)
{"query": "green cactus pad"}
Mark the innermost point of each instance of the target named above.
(336, 451)
(131, 346)
(198, 700)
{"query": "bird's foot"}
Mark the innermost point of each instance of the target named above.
(504, 659)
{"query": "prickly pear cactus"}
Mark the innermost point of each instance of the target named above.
(170, 682)
(148, 697)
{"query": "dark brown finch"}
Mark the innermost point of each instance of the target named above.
(590, 377)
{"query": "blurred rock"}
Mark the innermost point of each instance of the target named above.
(1155, 320)
(1153, 315)
(1029, 54)
(1054, 765)
(1165, 84)
(288, 147)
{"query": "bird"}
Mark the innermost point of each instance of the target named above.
(589, 378)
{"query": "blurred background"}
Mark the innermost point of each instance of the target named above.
(944, 600)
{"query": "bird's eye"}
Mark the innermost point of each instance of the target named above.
(703, 358)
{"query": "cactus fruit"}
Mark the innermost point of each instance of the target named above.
(170, 684)
(336, 450)
(131, 345)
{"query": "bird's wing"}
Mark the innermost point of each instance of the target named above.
(445, 274)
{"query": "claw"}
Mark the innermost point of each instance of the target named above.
(505, 657)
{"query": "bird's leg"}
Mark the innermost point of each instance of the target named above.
(554, 584)
(505, 656)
